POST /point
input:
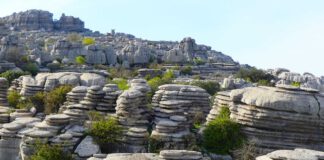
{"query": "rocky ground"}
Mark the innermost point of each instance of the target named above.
(157, 115)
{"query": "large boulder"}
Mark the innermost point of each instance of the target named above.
(278, 118)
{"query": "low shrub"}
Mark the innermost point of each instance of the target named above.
(155, 144)
(38, 101)
(53, 66)
(187, 70)
(31, 68)
(295, 84)
(120, 72)
(155, 82)
(222, 134)
(25, 104)
(49, 152)
(210, 86)
(80, 60)
(95, 116)
(253, 75)
(11, 75)
(13, 98)
(55, 98)
(121, 83)
(106, 131)
(199, 61)
(88, 41)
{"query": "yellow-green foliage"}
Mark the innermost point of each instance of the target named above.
(11, 75)
(74, 37)
(121, 83)
(88, 41)
(13, 98)
(296, 84)
(49, 152)
(222, 134)
(106, 131)
(55, 98)
(25, 104)
(80, 60)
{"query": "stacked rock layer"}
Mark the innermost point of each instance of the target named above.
(222, 99)
(130, 116)
(279, 119)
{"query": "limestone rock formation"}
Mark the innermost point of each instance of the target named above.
(69, 24)
(65, 49)
(298, 153)
(3, 92)
(278, 118)
(222, 99)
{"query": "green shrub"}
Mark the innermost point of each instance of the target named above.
(11, 75)
(222, 134)
(55, 98)
(264, 82)
(106, 131)
(155, 144)
(13, 98)
(187, 70)
(199, 61)
(295, 84)
(31, 68)
(121, 83)
(88, 41)
(48, 152)
(120, 72)
(38, 101)
(53, 66)
(210, 86)
(25, 104)
(95, 116)
(155, 82)
(253, 75)
(80, 60)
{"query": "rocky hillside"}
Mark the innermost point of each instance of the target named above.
(35, 35)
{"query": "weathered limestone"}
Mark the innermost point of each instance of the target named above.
(296, 154)
(278, 118)
(3, 92)
(130, 116)
(198, 97)
(108, 103)
(222, 99)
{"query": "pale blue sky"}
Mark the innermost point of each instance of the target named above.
(262, 33)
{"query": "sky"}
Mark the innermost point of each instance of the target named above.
(261, 33)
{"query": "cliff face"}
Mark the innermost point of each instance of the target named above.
(42, 20)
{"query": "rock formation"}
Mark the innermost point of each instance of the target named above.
(298, 153)
(278, 118)
(69, 24)
(3, 92)
(222, 99)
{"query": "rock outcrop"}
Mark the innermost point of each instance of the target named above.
(222, 99)
(278, 118)
(298, 153)
(69, 24)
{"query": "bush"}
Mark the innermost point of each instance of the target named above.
(121, 72)
(187, 70)
(222, 134)
(253, 75)
(53, 66)
(55, 98)
(295, 84)
(11, 75)
(199, 61)
(25, 104)
(31, 68)
(13, 98)
(121, 83)
(48, 152)
(155, 144)
(210, 86)
(155, 82)
(80, 60)
(38, 101)
(88, 41)
(106, 131)
(95, 116)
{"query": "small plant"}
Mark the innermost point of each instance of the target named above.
(53, 66)
(11, 75)
(25, 104)
(95, 116)
(210, 86)
(295, 84)
(199, 61)
(13, 98)
(106, 131)
(253, 75)
(198, 120)
(264, 82)
(88, 41)
(121, 83)
(31, 68)
(55, 98)
(247, 151)
(49, 152)
(80, 60)
(224, 113)
(38, 101)
(222, 134)
(155, 144)
(187, 70)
